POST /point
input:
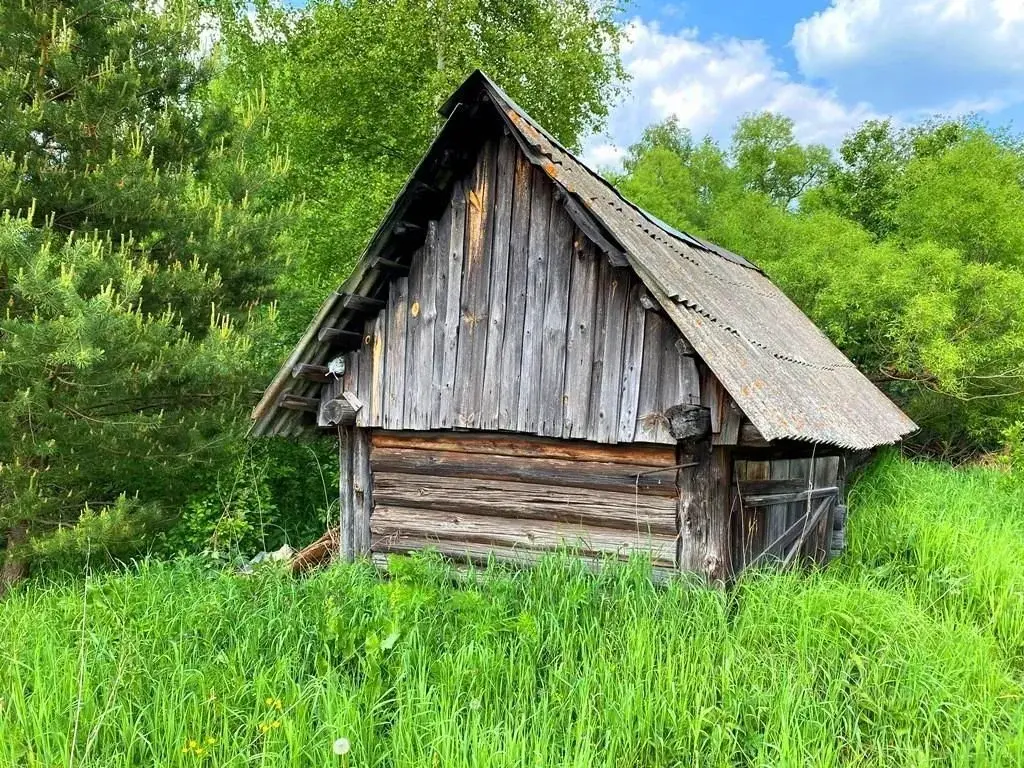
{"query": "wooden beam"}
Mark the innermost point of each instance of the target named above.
(403, 228)
(751, 488)
(685, 348)
(454, 533)
(647, 302)
(527, 501)
(627, 478)
(802, 525)
(381, 263)
(363, 486)
(705, 501)
(310, 372)
(359, 303)
(330, 335)
(589, 226)
(807, 530)
(688, 423)
(492, 443)
(297, 403)
(769, 499)
(346, 498)
(750, 437)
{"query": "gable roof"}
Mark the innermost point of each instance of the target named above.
(781, 370)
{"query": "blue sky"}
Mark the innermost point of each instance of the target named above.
(828, 64)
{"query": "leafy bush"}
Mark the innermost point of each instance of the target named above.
(908, 252)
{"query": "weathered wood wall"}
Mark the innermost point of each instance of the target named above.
(355, 492)
(755, 529)
(470, 495)
(510, 319)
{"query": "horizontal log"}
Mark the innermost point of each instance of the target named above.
(310, 372)
(336, 411)
(390, 525)
(647, 454)
(298, 403)
(770, 499)
(360, 303)
(329, 335)
(556, 503)
(576, 474)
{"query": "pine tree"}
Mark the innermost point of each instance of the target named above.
(135, 262)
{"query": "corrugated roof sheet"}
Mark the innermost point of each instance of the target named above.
(781, 370)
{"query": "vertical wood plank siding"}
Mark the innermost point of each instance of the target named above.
(511, 319)
(476, 271)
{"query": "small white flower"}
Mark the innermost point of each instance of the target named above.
(342, 746)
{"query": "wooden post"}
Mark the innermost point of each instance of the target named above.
(704, 513)
(362, 484)
(346, 523)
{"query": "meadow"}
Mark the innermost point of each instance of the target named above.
(908, 650)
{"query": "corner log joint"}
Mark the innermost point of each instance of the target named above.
(337, 411)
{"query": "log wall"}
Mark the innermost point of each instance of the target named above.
(510, 319)
(472, 495)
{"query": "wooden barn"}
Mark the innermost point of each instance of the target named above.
(523, 360)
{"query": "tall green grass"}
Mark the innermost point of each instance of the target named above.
(907, 651)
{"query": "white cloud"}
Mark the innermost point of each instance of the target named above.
(603, 155)
(917, 53)
(707, 85)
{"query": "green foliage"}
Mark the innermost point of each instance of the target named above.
(770, 161)
(151, 158)
(354, 89)
(907, 651)
(678, 180)
(241, 514)
(907, 252)
(969, 197)
(132, 263)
